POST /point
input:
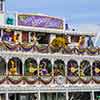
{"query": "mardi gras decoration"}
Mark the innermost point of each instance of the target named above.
(42, 48)
(85, 71)
(31, 67)
(92, 51)
(59, 42)
(45, 71)
(34, 38)
(11, 46)
(15, 38)
(13, 69)
(15, 66)
(81, 42)
(59, 71)
(96, 71)
(31, 71)
(81, 50)
(8, 30)
(72, 71)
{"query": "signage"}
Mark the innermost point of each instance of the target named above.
(40, 21)
(10, 19)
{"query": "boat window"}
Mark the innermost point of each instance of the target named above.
(79, 95)
(75, 38)
(53, 96)
(22, 96)
(25, 36)
(43, 38)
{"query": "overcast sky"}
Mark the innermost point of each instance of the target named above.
(74, 11)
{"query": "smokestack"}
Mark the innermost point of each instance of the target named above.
(2, 5)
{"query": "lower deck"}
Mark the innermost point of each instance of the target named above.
(76, 95)
(31, 92)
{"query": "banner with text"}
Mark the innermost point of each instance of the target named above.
(40, 21)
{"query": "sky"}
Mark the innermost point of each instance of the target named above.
(73, 11)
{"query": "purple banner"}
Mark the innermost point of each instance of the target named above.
(40, 21)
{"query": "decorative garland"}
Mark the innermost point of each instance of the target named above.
(73, 79)
(54, 49)
(67, 50)
(94, 78)
(15, 81)
(2, 79)
(42, 48)
(46, 81)
(92, 51)
(30, 81)
(85, 80)
(81, 50)
(27, 47)
(11, 47)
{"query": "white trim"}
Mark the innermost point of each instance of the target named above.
(80, 33)
(47, 30)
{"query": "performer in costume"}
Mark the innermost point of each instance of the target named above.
(13, 68)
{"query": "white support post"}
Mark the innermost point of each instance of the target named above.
(52, 62)
(91, 63)
(1, 34)
(38, 61)
(6, 96)
(56, 95)
(39, 98)
(66, 94)
(78, 61)
(92, 95)
(23, 61)
(7, 65)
